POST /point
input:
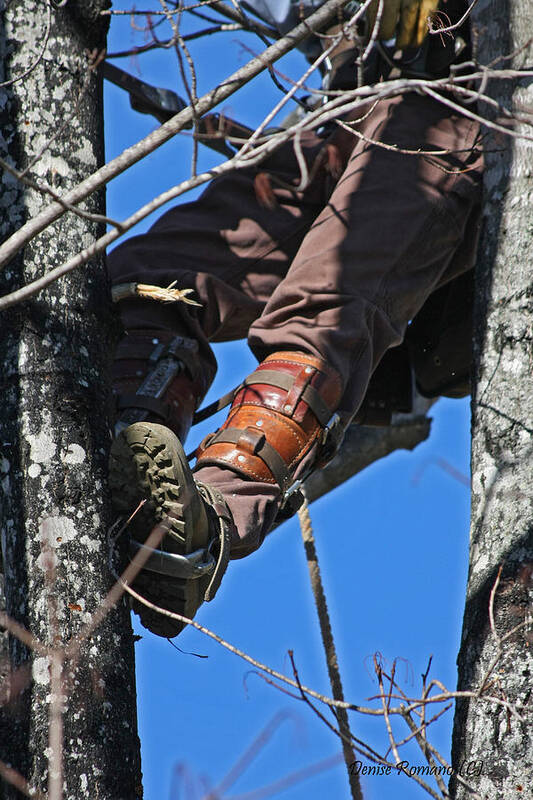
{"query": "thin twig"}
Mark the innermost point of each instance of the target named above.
(248, 756)
(56, 662)
(20, 783)
(491, 605)
(44, 188)
(354, 100)
(169, 129)
(117, 590)
(245, 656)
(165, 44)
(27, 638)
(454, 27)
(55, 726)
(386, 709)
(426, 751)
(275, 788)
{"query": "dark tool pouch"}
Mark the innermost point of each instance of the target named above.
(390, 389)
(440, 340)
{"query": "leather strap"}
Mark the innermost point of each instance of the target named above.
(308, 394)
(156, 372)
(266, 452)
(224, 523)
(278, 415)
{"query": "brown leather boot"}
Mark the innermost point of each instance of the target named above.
(156, 378)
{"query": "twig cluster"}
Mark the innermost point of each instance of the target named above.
(463, 92)
(406, 719)
(391, 704)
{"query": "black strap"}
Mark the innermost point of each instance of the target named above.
(143, 401)
(218, 405)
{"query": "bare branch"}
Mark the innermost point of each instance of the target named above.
(449, 28)
(45, 188)
(169, 129)
(17, 780)
(15, 629)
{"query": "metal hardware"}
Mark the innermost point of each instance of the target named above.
(193, 565)
(294, 487)
(166, 367)
(330, 427)
(213, 130)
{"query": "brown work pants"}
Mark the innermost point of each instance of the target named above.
(336, 270)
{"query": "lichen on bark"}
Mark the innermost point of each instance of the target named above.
(54, 430)
(502, 428)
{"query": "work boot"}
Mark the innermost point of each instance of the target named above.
(148, 463)
(281, 425)
(156, 378)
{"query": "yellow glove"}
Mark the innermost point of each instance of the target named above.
(405, 19)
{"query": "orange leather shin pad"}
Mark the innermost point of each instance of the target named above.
(278, 414)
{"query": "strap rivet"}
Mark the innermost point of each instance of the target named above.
(240, 458)
(287, 408)
(155, 341)
(259, 423)
(308, 370)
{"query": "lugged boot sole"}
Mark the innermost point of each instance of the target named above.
(147, 462)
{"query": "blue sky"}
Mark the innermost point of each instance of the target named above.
(392, 541)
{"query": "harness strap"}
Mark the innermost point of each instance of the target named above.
(287, 382)
(251, 441)
(218, 405)
(144, 401)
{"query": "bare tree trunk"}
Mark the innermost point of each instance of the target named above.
(502, 420)
(54, 432)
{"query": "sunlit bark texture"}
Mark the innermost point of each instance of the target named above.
(502, 514)
(53, 426)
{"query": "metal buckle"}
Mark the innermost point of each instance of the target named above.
(294, 487)
(189, 567)
(330, 427)
(165, 367)
(288, 493)
(332, 437)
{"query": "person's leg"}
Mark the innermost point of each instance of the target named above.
(396, 226)
(232, 252)
(387, 237)
(393, 230)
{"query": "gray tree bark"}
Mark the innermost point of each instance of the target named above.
(54, 432)
(502, 427)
